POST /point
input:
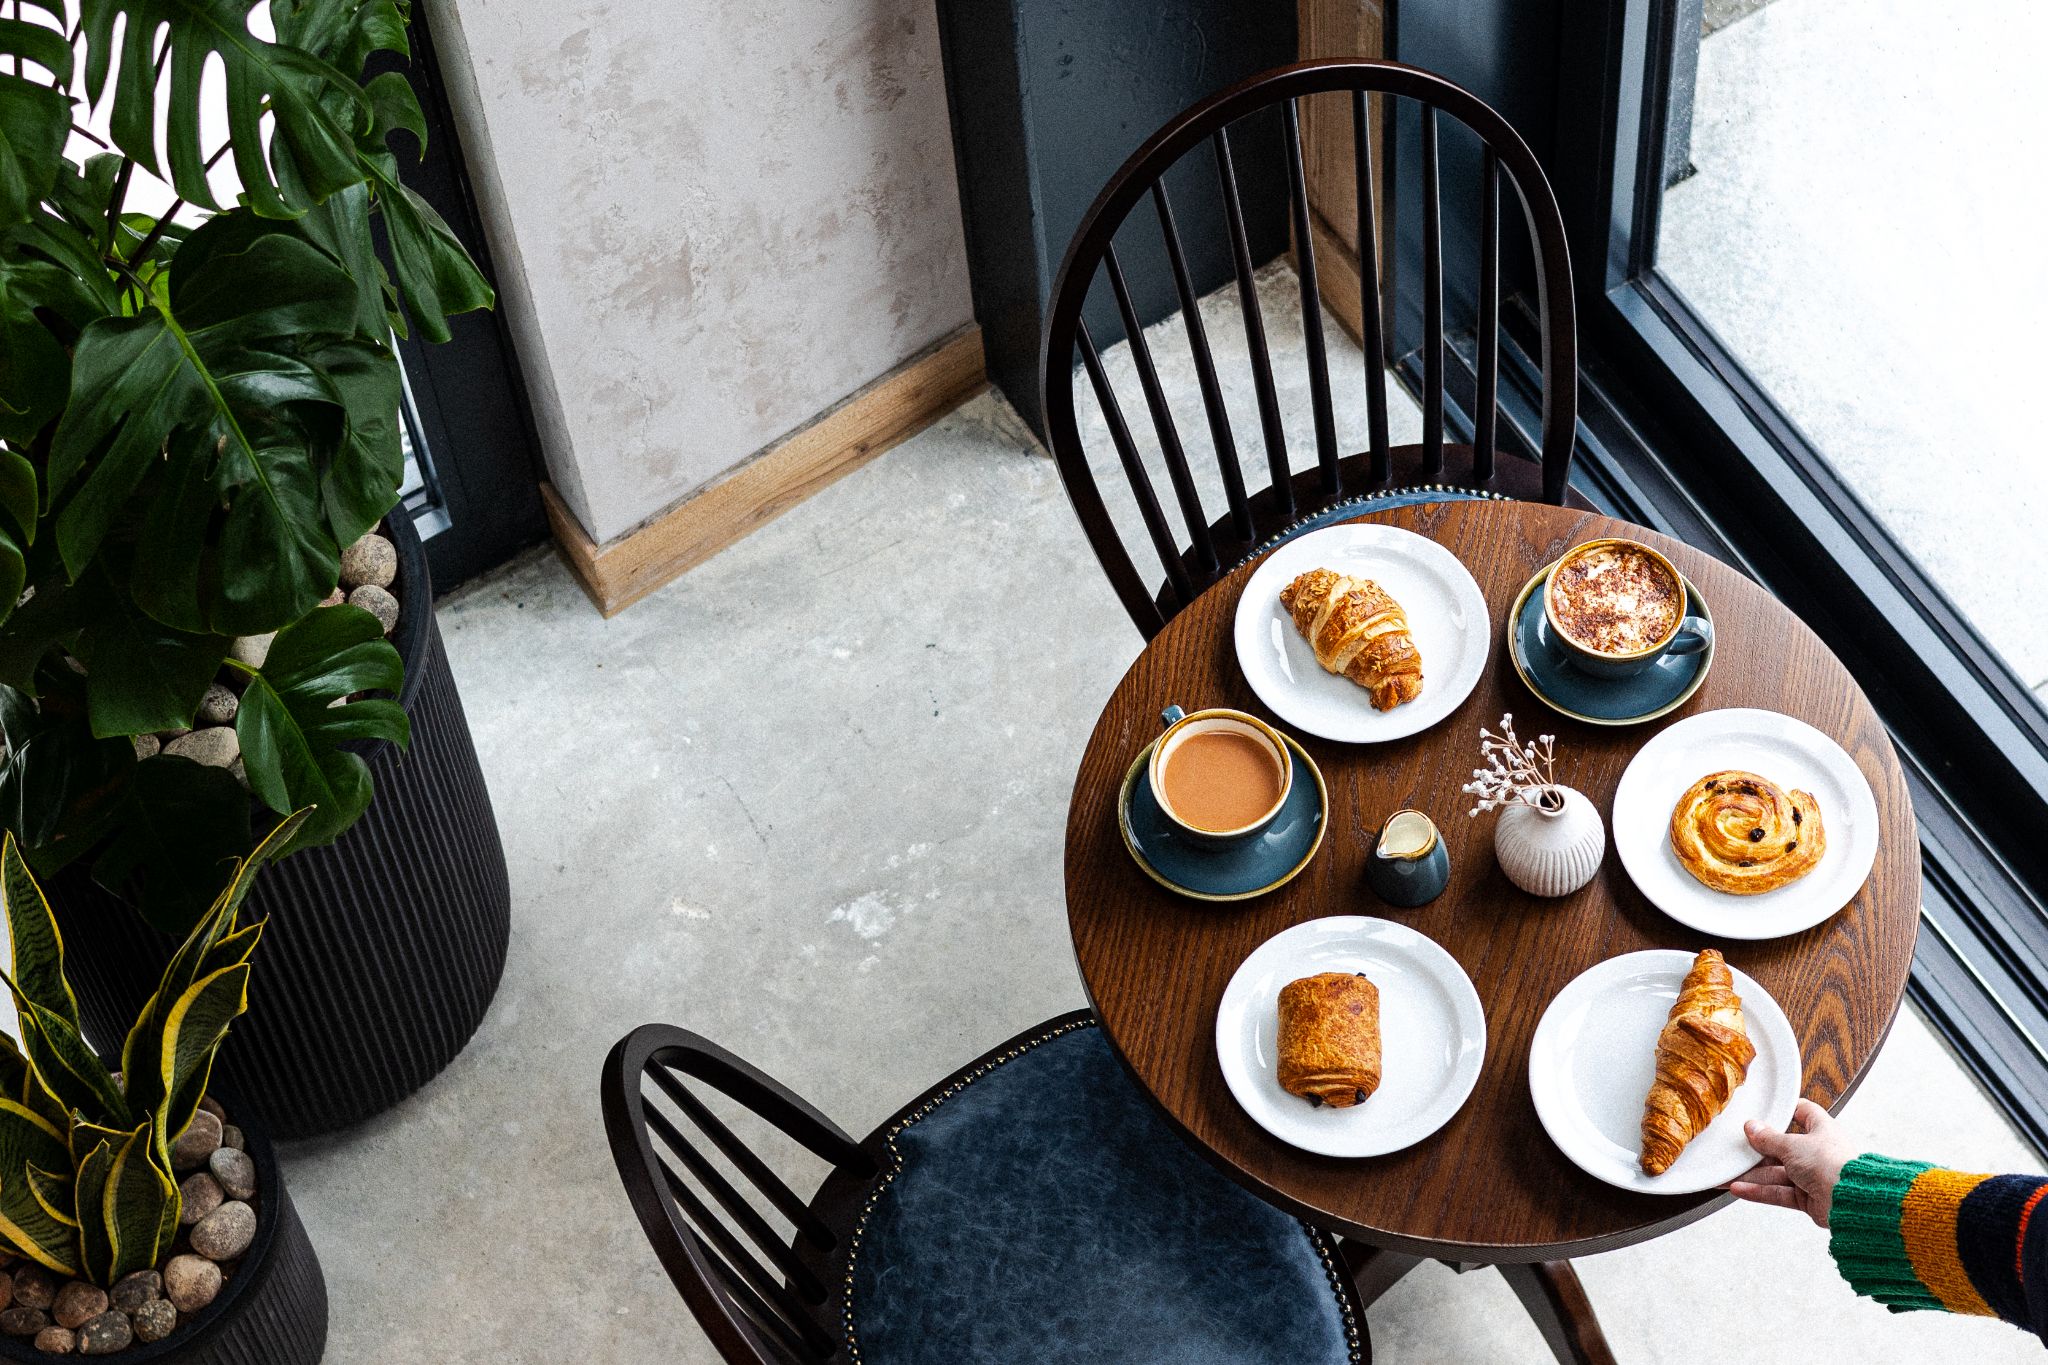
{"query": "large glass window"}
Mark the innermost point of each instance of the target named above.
(1857, 216)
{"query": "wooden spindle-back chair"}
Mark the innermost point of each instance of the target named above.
(1212, 548)
(1010, 1138)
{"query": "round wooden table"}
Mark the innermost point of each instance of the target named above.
(1488, 1187)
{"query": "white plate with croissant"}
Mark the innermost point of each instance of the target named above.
(1745, 824)
(1621, 1078)
(1362, 633)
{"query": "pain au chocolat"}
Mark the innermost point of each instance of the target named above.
(1330, 1038)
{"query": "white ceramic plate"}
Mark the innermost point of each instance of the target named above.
(1432, 1035)
(1446, 615)
(1790, 753)
(1595, 1054)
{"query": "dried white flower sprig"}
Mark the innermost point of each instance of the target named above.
(1514, 771)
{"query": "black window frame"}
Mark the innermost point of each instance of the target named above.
(1676, 434)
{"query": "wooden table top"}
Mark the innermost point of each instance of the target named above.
(1489, 1186)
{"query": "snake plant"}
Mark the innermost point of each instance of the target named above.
(86, 1187)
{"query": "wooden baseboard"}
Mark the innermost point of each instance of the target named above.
(835, 443)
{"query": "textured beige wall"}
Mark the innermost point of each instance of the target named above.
(710, 221)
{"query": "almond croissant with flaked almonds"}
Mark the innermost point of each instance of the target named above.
(1358, 632)
(1702, 1055)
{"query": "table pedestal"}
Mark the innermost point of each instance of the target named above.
(1550, 1290)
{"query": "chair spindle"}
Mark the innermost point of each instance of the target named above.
(736, 1204)
(1205, 368)
(1134, 470)
(1184, 490)
(1371, 332)
(1484, 414)
(772, 1186)
(1255, 332)
(1311, 306)
(1432, 303)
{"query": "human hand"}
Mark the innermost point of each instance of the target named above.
(1800, 1168)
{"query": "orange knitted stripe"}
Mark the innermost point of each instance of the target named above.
(1927, 1223)
(2019, 1251)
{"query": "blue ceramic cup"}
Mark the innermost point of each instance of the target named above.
(1409, 865)
(1684, 635)
(1182, 726)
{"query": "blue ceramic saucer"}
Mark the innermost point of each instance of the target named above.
(1236, 872)
(1663, 687)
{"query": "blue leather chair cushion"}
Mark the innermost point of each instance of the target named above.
(1043, 1212)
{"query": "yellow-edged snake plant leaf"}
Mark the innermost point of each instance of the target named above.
(139, 1206)
(31, 1147)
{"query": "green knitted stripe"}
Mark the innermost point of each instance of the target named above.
(1864, 1231)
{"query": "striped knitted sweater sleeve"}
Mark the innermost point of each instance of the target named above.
(1911, 1235)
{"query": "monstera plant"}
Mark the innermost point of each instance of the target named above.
(199, 410)
(86, 1183)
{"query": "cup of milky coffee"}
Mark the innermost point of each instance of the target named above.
(1219, 775)
(1615, 607)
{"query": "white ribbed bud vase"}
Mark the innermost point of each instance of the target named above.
(1551, 849)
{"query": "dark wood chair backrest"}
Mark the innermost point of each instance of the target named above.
(757, 1292)
(1212, 552)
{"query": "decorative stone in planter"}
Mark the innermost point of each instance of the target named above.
(384, 948)
(269, 1308)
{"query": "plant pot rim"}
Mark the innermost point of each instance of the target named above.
(200, 1328)
(415, 603)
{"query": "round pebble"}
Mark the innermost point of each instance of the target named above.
(191, 1282)
(34, 1287)
(378, 603)
(214, 747)
(6, 1290)
(106, 1334)
(196, 1143)
(135, 1289)
(226, 1232)
(251, 649)
(201, 1194)
(23, 1322)
(78, 1303)
(155, 1320)
(56, 1341)
(212, 1106)
(371, 561)
(231, 1136)
(240, 773)
(219, 705)
(146, 746)
(235, 1172)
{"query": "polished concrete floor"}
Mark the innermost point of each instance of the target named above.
(809, 801)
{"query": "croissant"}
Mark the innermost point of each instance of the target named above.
(1330, 1038)
(1737, 832)
(1702, 1055)
(1358, 632)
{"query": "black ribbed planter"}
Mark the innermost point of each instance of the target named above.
(384, 948)
(274, 1310)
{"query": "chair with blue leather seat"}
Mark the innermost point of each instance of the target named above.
(1032, 1207)
(1338, 485)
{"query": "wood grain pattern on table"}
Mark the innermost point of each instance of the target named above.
(1489, 1185)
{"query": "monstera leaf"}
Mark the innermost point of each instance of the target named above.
(319, 111)
(35, 114)
(293, 733)
(209, 384)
